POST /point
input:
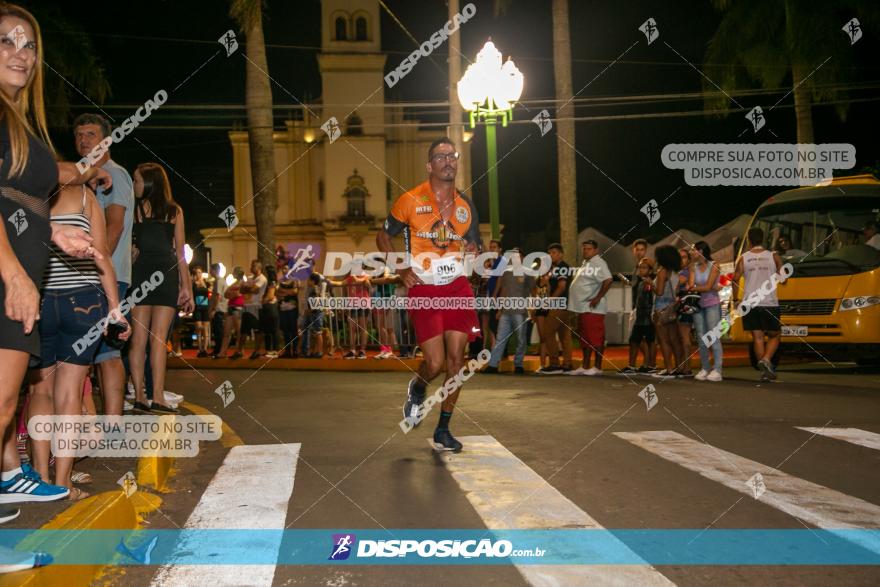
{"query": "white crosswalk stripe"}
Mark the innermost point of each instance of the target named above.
(250, 491)
(508, 494)
(813, 503)
(852, 435)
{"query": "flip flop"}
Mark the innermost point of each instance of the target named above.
(76, 494)
(80, 478)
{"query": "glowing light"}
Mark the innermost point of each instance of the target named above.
(489, 84)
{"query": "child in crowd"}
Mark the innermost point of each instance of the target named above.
(643, 328)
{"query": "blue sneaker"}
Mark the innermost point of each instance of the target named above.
(28, 487)
(412, 407)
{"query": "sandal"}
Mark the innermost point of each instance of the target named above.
(80, 478)
(76, 494)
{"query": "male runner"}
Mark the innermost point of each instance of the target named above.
(437, 221)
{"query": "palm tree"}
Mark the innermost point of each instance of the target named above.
(565, 140)
(70, 60)
(776, 42)
(248, 14)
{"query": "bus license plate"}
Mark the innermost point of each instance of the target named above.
(794, 330)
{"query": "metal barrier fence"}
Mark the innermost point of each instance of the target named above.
(369, 328)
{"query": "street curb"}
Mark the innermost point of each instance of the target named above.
(733, 359)
(110, 510)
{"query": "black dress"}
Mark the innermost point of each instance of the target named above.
(155, 243)
(24, 211)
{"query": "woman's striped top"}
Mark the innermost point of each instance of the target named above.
(64, 271)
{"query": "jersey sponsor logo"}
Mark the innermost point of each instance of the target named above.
(424, 209)
(444, 234)
(461, 214)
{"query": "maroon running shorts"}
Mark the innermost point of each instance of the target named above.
(430, 322)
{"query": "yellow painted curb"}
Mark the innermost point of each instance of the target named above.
(110, 510)
(229, 438)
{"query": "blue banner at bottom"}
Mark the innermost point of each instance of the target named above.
(448, 547)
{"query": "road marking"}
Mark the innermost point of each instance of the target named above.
(853, 435)
(815, 504)
(250, 491)
(508, 494)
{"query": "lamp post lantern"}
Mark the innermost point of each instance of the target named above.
(488, 90)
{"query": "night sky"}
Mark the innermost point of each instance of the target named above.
(145, 46)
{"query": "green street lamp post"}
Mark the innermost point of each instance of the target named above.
(488, 90)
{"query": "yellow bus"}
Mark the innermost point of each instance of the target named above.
(830, 306)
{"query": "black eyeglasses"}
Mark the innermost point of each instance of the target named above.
(447, 156)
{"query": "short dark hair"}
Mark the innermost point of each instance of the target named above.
(91, 118)
(590, 242)
(668, 258)
(437, 143)
(215, 267)
(496, 241)
(870, 225)
(756, 236)
(640, 241)
(557, 246)
(704, 249)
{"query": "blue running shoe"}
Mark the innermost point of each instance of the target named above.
(28, 487)
(412, 407)
(445, 441)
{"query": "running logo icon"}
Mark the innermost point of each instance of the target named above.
(342, 546)
(756, 117)
(853, 29)
(229, 217)
(19, 37)
(331, 127)
(19, 221)
(543, 121)
(756, 484)
(226, 393)
(229, 42)
(650, 30)
(652, 211)
(128, 483)
(649, 395)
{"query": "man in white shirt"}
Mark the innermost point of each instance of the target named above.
(253, 291)
(586, 298)
(760, 310)
(872, 237)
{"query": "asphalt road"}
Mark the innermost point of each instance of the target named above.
(583, 436)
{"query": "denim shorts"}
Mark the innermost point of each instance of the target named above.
(69, 331)
(106, 352)
(315, 322)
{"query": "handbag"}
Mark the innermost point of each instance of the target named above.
(667, 314)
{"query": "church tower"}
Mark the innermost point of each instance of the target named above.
(353, 92)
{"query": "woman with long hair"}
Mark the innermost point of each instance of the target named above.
(200, 312)
(158, 235)
(685, 321)
(28, 176)
(704, 280)
(235, 305)
(669, 264)
(77, 294)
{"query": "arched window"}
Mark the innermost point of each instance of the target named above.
(360, 29)
(341, 29)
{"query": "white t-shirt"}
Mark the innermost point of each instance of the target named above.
(255, 300)
(757, 269)
(587, 282)
(220, 289)
(874, 241)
